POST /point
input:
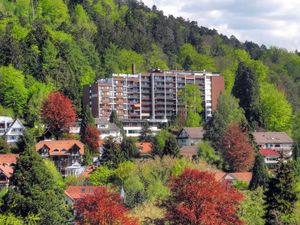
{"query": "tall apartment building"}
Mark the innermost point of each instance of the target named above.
(152, 96)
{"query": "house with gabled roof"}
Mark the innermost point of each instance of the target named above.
(7, 165)
(271, 157)
(278, 141)
(190, 136)
(11, 129)
(235, 176)
(67, 155)
(75, 193)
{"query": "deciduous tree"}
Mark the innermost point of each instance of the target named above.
(102, 208)
(91, 138)
(237, 151)
(197, 198)
(58, 113)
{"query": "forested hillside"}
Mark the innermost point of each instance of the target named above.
(48, 45)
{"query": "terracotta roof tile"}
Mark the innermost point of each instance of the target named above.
(78, 192)
(269, 152)
(7, 170)
(242, 176)
(89, 169)
(144, 147)
(60, 145)
(8, 158)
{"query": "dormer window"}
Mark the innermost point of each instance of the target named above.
(64, 151)
(55, 151)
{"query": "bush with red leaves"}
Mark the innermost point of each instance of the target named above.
(237, 150)
(58, 113)
(103, 208)
(91, 138)
(197, 198)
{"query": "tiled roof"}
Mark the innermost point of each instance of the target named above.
(272, 138)
(60, 145)
(89, 169)
(189, 151)
(8, 158)
(240, 176)
(144, 147)
(269, 152)
(78, 192)
(194, 132)
(7, 170)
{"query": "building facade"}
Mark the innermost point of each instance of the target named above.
(278, 141)
(11, 130)
(150, 96)
(67, 155)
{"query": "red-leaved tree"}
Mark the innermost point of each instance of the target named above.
(91, 138)
(237, 151)
(58, 113)
(197, 198)
(103, 208)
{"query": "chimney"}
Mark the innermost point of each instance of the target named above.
(133, 68)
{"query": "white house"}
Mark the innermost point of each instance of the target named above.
(278, 141)
(108, 129)
(190, 136)
(271, 157)
(11, 129)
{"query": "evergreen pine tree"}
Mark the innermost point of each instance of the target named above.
(260, 173)
(87, 120)
(129, 148)
(113, 118)
(35, 191)
(145, 132)
(112, 154)
(171, 147)
(246, 89)
(281, 194)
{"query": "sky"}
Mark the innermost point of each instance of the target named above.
(268, 22)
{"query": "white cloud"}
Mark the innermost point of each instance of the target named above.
(268, 22)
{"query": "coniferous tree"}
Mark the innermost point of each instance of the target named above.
(35, 191)
(129, 148)
(112, 154)
(87, 120)
(171, 147)
(260, 173)
(246, 89)
(281, 195)
(145, 132)
(113, 118)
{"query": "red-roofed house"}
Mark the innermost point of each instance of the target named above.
(237, 176)
(271, 157)
(145, 148)
(64, 154)
(7, 164)
(74, 193)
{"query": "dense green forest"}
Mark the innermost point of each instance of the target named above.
(48, 45)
